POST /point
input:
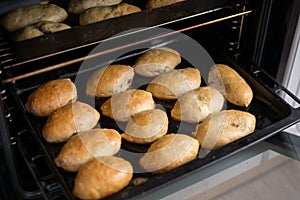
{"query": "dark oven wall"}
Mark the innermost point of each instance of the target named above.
(267, 34)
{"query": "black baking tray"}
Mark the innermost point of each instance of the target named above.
(53, 43)
(273, 114)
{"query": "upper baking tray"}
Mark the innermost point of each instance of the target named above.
(273, 114)
(93, 33)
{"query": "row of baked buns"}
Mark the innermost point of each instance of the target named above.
(91, 11)
(33, 21)
(57, 100)
(99, 10)
(169, 84)
(86, 148)
(194, 104)
(91, 151)
(36, 20)
(79, 6)
(157, 62)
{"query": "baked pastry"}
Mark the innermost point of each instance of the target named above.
(39, 29)
(160, 3)
(50, 96)
(70, 119)
(101, 177)
(97, 14)
(156, 61)
(78, 6)
(230, 84)
(52, 27)
(110, 80)
(27, 33)
(173, 84)
(125, 104)
(146, 126)
(169, 152)
(224, 127)
(194, 106)
(21, 17)
(84, 146)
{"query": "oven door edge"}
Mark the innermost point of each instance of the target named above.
(9, 167)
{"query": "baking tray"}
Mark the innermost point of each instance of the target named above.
(273, 114)
(94, 33)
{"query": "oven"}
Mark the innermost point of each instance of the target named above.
(254, 37)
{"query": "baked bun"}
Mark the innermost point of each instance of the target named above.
(50, 96)
(146, 126)
(125, 104)
(156, 61)
(110, 80)
(78, 6)
(70, 119)
(224, 127)
(97, 14)
(84, 146)
(194, 106)
(160, 3)
(101, 177)
(173, 84)
(230, 84)
(169, 152)
(21, 17)
(26, 33)
(39, 29)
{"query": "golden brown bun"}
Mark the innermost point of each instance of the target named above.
(169, 152)
(21, 17)
(27, 33)
(146, 126)
(39, 29)
(52, 27)
(156, 61)
(70, 119)
(125, 104)
(160, 3)
(230, 84)
(101, 177)
(78, 6)
(110, 80)
(173, 84)
(224, 127)
(97, 14)
(194, 106)
(50, 96)
(84, 146)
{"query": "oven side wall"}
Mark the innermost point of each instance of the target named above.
(290, 78)
(268, 33)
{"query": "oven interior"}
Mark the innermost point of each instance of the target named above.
(220, 27)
